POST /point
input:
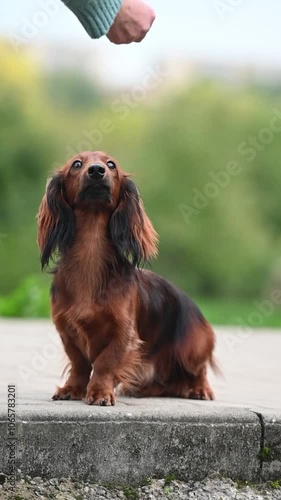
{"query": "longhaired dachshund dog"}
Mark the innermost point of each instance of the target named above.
(120, 325)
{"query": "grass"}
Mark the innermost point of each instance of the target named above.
(130, 493)
(252, 313)
(31, 300)
(276, 485)
(169, 479)
(266, 454)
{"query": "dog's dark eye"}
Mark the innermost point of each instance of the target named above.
(111, 165)
(76, 165)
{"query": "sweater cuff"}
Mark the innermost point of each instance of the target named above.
(97, 16)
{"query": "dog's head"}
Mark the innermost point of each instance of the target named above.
(94, 182)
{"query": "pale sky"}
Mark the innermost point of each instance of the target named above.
(249, 31)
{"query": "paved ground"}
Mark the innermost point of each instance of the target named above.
(32, 358)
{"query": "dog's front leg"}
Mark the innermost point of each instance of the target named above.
(117, 362)
(79, 366)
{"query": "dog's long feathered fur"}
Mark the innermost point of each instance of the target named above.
(120, 325)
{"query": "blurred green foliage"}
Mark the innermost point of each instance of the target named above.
(175, 142)
(29, 300)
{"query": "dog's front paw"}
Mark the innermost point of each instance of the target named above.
(201, 392)
(100, 398)
(69, 393)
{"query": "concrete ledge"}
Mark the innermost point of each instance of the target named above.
(135, 440)
(271, 451)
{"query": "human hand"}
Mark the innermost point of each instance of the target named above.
(132, 22)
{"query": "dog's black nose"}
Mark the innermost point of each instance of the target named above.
(96, 171)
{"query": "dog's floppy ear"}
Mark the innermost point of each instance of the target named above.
(130, 228)
(55, 221)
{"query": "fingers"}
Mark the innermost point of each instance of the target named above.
(132, 23)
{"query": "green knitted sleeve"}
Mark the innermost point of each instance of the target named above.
(96, 16)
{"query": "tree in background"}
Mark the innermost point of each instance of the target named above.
(219, 237)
